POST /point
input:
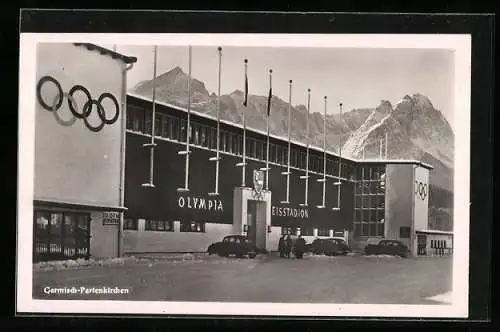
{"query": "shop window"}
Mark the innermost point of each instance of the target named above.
(193, 227)
(159, 225)
(259, 150)
(130, 224)
(236, 144)
(372, 227)
(147, 122)
(358, 215)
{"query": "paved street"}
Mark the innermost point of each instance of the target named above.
(319, 279)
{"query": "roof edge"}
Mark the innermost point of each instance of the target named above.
(113, 54)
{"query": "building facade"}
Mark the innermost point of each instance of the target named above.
(376, 200)
(78, 199)
(104, 186)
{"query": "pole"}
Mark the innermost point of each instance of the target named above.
(380, 151)
(243, 172)
(306, 177)
(268, 114)
(217, 157)
(152, 144)
(386, 141)
(287, 173)
(324, 155)
(340, 162)
(187, 152)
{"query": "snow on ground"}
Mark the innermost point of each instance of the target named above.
(381, 256)
(148, 259)
(443, 298)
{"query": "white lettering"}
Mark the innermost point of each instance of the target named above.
(210, 203)
(289, 212)
(195, 202)
(202, 204)
(189, 202)
(220, 206)
(273, 210)
(181, 202)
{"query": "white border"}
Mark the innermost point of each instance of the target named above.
(459, 309)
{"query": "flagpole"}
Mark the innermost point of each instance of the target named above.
(268, 114)
(380, 150)
(306, 177)
(322, 206)
(287, 173)
(338, 183)
(217, 158)
(152, 144)
(245, 103)
(386, 141)
(187, 152)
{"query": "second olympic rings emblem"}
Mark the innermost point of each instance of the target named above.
(421, 189)
(87, 107)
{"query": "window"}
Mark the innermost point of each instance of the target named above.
(147, 122)
(404, 232)
(306, 231)
(159, 225)
(288, 230)
(135, 118)
(158, 124)
(130, 224)
(259, 153)
(236, 144)
(195, 227)
(323, 232)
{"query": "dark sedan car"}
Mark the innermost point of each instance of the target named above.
(237, 245)
(387, 247)
(329, 247)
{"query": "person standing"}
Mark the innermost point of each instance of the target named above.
(281, 246)
(300, 246)
(288, 246)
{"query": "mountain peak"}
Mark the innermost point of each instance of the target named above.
(385, 107)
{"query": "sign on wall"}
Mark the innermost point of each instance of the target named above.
(421, 198)
(110, 218)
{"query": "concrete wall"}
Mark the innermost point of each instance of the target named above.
(141, 241)
(398, 200)
(72, 163)
(104, 238)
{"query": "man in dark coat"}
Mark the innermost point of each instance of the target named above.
(300, 246)
(288, 246)
(281, 246)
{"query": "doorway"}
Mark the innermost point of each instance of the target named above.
(421, 244)
(256, 223)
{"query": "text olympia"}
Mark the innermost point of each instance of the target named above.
(199, 203)
(289, 212)
(55, 104)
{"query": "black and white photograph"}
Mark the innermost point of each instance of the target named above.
(318, 175)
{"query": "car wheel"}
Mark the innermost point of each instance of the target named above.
(252, 256)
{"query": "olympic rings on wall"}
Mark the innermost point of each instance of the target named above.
(421, 189)
(73, 107)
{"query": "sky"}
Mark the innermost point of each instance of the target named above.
(359, 77)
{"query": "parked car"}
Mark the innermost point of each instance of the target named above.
(387, 247)
(329, 247)
(237, 245)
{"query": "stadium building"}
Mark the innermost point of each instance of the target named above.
(121, 190)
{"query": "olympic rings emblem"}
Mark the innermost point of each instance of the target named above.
(421, 189)
(87, 107)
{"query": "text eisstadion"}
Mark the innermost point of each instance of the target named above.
(85, 290)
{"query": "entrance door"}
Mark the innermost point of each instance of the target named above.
(252, 221)
(421, 244)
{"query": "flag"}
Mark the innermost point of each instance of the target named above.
(245, 101)
(269, 101)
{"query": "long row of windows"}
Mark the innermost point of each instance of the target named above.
(304, 231)
(164, 226)
(173, 128)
